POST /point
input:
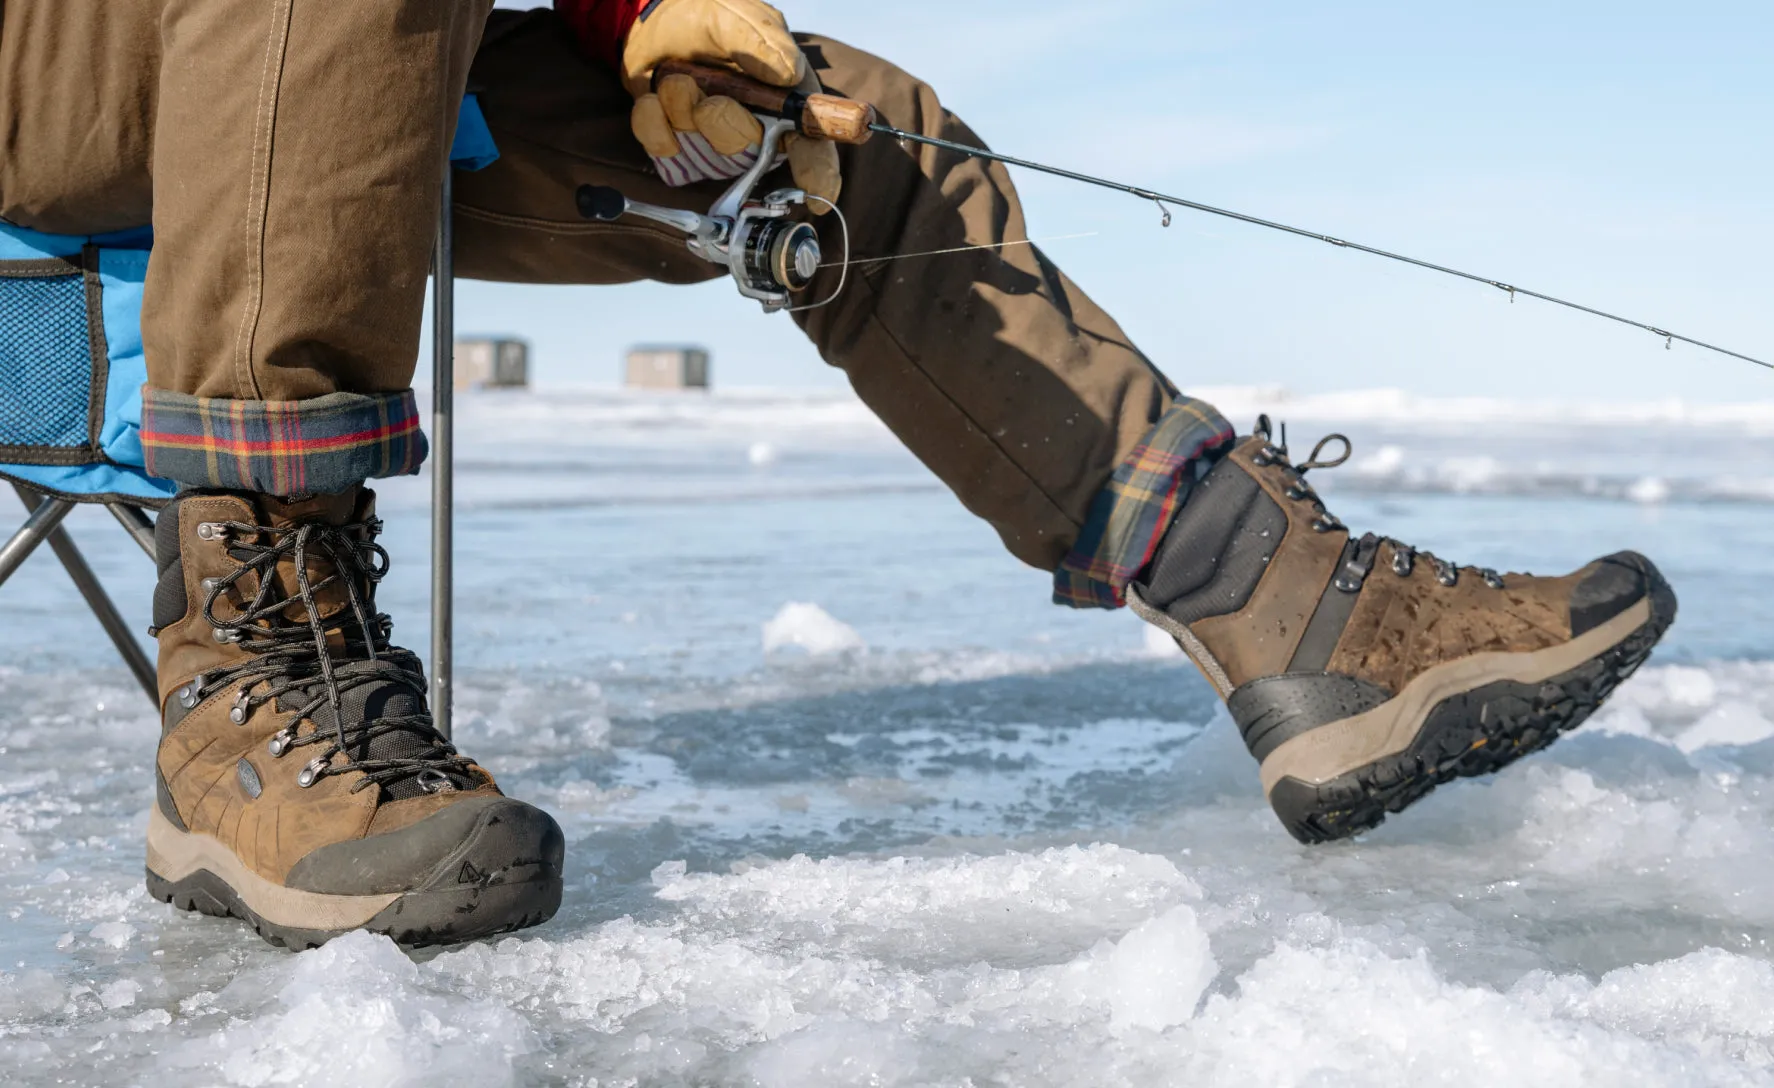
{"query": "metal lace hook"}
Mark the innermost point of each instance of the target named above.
(1313, 462)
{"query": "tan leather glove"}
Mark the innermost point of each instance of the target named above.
(691, 137)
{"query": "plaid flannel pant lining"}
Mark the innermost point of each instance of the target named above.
(305, 447)
(329, 443)
(1132, 512)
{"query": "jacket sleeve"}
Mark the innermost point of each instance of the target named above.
(601, 26)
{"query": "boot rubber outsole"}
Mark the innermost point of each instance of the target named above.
(196, 872)
(1472, 717)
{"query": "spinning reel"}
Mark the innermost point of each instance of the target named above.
(771, 256)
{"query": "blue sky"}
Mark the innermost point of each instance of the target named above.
(1616, 153)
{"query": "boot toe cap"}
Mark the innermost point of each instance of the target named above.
(1615, 584)
(476, 841)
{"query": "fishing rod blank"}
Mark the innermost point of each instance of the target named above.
(1163, 201)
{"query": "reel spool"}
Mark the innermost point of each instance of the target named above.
(780, 254)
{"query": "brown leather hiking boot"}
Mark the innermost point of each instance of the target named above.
(1363, 673)
(301, 786)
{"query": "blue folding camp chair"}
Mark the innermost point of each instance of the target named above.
(71, 374)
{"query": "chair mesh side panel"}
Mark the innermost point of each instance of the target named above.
(45, 362)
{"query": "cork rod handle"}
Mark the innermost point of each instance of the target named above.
(820, 116)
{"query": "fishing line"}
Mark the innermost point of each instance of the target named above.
(959, 249)
(1165, 202)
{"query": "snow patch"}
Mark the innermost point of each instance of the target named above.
(1346, 1013)
(1154, 977)
(811, 628)
(120, 994)
(358, 1011)
(1388, 460)
(113, 934)
(1733, 724)
(1649, 491)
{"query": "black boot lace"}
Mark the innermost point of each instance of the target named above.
(296, 665)
(1358, 566)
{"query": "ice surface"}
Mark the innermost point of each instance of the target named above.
(1008, 844)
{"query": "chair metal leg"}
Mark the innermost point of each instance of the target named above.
(443, 385)
(106, 612)
(46, 517)
(96, 598)
(136, 523)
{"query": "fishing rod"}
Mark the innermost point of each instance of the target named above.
(772, 268)
(1163, 201)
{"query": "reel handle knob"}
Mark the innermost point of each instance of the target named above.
(819, 116)
(600, 202)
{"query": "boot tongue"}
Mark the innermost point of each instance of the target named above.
(339, 509)
(351, 506)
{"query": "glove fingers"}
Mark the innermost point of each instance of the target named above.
(729, 126)
(814, 164)
(758, 41)
(680, 96)
(653, 129)
(748, 35)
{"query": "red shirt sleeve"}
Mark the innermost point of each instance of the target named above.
(601, 26)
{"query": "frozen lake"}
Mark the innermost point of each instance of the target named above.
(848, 802)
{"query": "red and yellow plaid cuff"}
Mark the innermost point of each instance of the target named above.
(288, 447)
(1132, 512)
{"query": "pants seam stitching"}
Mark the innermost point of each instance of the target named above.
(258, 197)
(560, 226)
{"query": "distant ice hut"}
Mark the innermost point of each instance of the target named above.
(666, 367)
(492, 363)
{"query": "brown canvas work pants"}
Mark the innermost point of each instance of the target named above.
(288, 156)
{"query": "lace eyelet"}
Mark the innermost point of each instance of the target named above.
(280, 742)
(212, 530)
(1403, 564)
(432, 780)
(1492, 578)
(311, 773)
(237, 713)
(191, 694)
(1448, 577)
(1297, 492)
